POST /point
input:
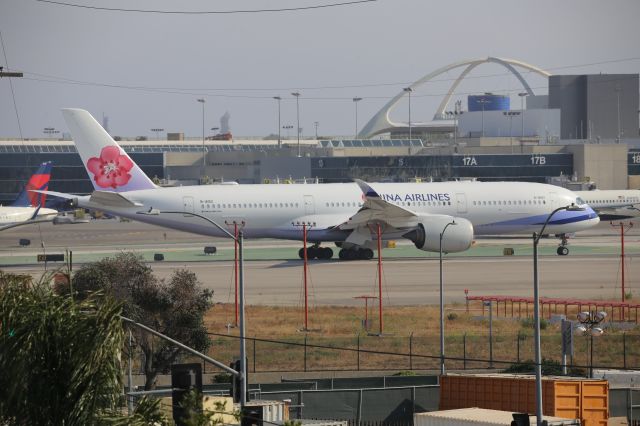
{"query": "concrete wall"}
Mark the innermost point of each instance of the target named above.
(606, 95)
(590, 104)
(606, 165)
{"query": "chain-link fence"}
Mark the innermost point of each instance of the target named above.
(361, 353)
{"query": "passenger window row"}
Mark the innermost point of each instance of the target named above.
(508, 202)
(249, 206)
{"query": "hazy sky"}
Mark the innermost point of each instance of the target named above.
(146, 70)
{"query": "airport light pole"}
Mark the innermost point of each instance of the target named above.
(489, 303)
(482, 102)
(355, 103)
(297, 95)
(510, 114)
(50, 131)
(442, 371)
(157, 132)
(202, 101)
(589, 321)
(287, 127)
(278, 98)
(239, 239)
(536, 310)
(409, 90)
(522, 96)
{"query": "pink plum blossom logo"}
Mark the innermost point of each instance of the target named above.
(111, 169)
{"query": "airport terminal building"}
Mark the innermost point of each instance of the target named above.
(610, 166)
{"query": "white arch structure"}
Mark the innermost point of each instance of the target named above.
(381, 122)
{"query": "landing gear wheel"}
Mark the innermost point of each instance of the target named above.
(365, 254)
(562, 251)
(301, 253)
(325, 253)
(313, 252)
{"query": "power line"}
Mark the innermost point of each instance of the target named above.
(13, 95)
(336, 87)
(209, 12)
(265, 97)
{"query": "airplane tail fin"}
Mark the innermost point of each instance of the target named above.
(39, 181)
(108, 166)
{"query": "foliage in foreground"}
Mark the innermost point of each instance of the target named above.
(60, 358)
(175, 308)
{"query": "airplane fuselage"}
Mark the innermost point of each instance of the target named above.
(278, 211)
(613, 204)
(10, 215)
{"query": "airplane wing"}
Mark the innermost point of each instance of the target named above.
(375, 209)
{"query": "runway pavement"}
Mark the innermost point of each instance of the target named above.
(410, 276)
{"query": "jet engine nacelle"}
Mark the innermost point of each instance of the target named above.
(456, 238)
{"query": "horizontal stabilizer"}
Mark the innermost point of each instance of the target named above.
(111, 199)
(56, 194)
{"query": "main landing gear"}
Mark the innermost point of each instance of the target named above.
(316, 252)
(355, 254)
(563, 250)
(325, 253)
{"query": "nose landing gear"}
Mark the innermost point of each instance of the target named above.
(563, 250)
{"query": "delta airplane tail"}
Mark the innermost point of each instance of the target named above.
(38, 181)
(108, 166)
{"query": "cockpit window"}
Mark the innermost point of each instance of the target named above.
(580, 201)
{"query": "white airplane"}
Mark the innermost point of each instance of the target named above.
(613, 204)
(344, 213)
(28, 206)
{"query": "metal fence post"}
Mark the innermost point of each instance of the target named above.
(254, 354)
(305, 353)
(624, 350)
(358, 352)
(464, 351)
(359, 412)
(518, 348)
(411, 351)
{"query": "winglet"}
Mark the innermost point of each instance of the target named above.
(35, 213)
(367, 190)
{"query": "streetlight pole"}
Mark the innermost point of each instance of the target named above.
(522, 96)
(442, 371)
(278, 98)
(202, 101)
(355, 103)
(297, 95)
(240, 241)
(536, 310)
(409, 90)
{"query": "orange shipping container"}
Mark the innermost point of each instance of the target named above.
(568, 397)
